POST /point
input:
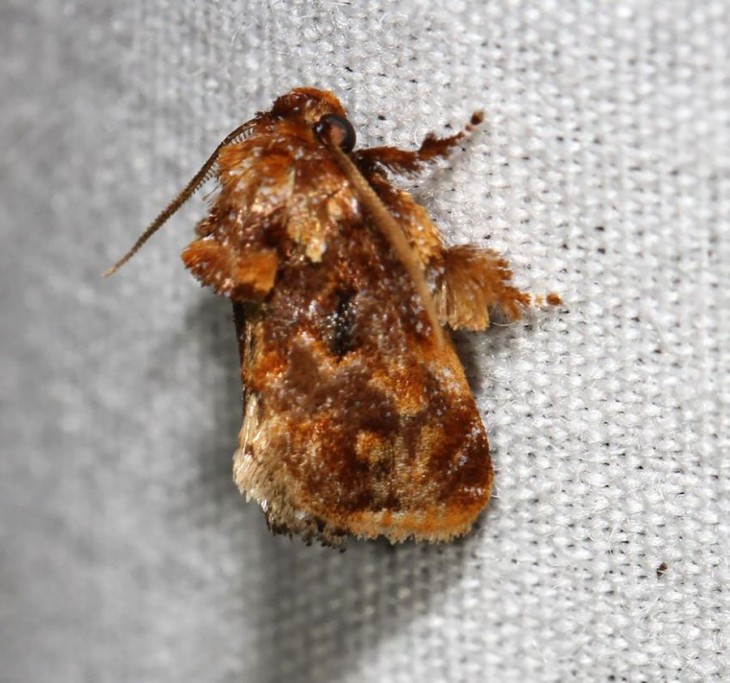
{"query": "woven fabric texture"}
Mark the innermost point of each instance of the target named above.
(602, 171)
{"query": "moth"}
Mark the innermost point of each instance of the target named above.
(357, 416)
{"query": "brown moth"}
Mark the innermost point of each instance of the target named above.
(357, 417)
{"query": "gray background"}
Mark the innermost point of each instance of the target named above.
(603, 172)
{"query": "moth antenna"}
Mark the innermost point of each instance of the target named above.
(201, 177)
(393, 233)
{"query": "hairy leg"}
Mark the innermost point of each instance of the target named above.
(475, 283)
(410, 162)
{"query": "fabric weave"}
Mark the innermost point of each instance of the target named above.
(602, 172)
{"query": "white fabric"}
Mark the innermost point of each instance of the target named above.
(603, 172)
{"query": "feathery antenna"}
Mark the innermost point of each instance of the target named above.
(198, 179)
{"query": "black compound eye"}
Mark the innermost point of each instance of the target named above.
(336, 130)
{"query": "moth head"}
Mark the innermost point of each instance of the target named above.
(321, 111)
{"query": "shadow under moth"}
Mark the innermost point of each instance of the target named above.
(357, 417)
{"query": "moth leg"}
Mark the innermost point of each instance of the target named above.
(474, 284)
(410, 162)
(245, 276)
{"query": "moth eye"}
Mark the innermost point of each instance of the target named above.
(336, 130)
